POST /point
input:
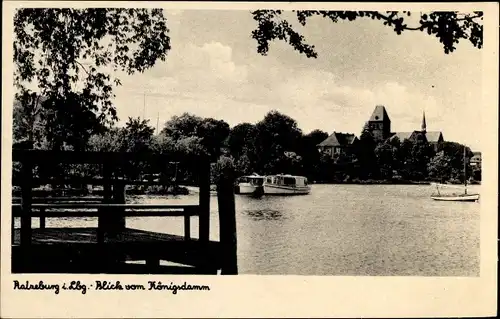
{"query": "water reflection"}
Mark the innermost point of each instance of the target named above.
(358, 230)
(264, 214)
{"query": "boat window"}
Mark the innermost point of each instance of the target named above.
(269, 180)
(257, 181)
(300, 181)
(289, 181)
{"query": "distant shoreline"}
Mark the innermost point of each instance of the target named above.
(186, 190)
(372, 183)
(384, 182)
(148, 190)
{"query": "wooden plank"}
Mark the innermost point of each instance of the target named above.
(111, 205)
(88, 235)
(204, 214)
(81, 243)
(193, 253)
(163, 269)
(84, 210)
(152, 263)
(91, 181)
(60, 199)
(122, 269)
(96, 213)
(60, 259)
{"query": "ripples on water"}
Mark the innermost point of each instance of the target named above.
(265, 214)
(374, 230)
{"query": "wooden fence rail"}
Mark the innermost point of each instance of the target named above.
(111, 210)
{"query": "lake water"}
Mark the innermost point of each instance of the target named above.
(372, 230)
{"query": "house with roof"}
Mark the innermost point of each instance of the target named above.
(475, 160)
(337, 143)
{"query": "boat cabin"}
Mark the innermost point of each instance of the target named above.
(286, 180)
(253, 180)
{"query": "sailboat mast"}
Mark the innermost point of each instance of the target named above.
(465, 172)
(157, 121)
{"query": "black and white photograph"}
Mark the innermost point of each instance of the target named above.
(160, 141)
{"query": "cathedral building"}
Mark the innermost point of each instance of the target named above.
(379, 126)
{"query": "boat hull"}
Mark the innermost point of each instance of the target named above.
(270, 189)
(461, 198)
(247, 189)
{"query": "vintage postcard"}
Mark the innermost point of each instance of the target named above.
(216, 159)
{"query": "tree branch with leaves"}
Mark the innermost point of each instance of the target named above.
(449, 27)
(52, 46)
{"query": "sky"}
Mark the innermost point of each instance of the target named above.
(214, 70)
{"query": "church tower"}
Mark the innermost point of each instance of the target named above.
(380, 124)
(423, 128)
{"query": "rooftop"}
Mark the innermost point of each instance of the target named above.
(401, 135)
(338, 139)
(379, 114)
(433, 136)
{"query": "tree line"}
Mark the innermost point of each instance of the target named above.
(273, 145)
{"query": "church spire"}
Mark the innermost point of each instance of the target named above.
(424, 126)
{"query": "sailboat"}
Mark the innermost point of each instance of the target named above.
(465, 197)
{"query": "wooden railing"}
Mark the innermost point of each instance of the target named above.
(111, 208)
(54, 210)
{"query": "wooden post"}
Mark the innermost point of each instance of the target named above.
(115, 222)
(204, 184)
(26, 199)
(12, 230)
(101, 220)
(187, 226)
(112, 220)
(227, 222)
(42, 218)
(117, 216)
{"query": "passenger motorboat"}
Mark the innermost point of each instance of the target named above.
(250, 185)
(286, 185)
